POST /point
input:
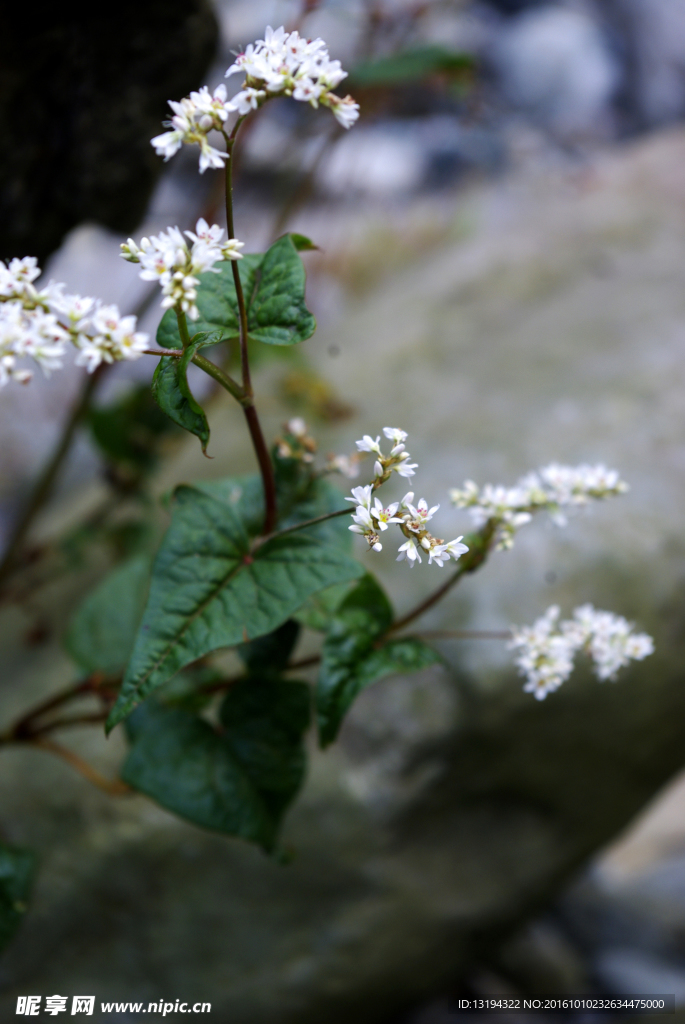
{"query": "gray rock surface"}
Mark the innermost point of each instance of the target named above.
(454, 805)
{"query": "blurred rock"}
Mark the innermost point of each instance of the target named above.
(652, 38)
(555, 65)
(82, 92)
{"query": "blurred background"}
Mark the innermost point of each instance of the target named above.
(501, 273)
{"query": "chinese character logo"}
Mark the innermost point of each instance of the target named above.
(28, 1005)
(83, 1004)
(55, 1005)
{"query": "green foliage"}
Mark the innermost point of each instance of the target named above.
(317, 613)
(172, 392)
(273, 284)
(128, 431)
(102, 631)
(211, 588)
(410, 66)
(17, 869)
(302, 243)
(238, 781)
(269, 655)
(354, 655)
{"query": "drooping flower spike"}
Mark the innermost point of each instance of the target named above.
(547, 648)
(38, 324)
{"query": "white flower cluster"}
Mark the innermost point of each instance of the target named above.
(281, 64)
(38, 324)
(169, 259)
(551, 488)
(548, 647)
(370, 520)
(194, 117)
(398, 459)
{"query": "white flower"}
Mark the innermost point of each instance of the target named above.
(545, 656)
(406, 469)
(345, 110)
(609, 640)
(168, 258)
(37, 324)
(367, 444)
(362, 496)
(364, 525)
(547, 647)
(420, 514)
(284, 62)
(551, 488)
(195, 116)
(116, 338)
(410, 551)
(384, 516)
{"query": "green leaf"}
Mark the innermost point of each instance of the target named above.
(265, 722)
(239, 782)
(17, 870)
(269, 655)
(350, 660)
(102, 631)
(302, 243)
(172, 392)
(317, 613)
(128, 431)
(410, 66)
(209, 590)
(273, 284)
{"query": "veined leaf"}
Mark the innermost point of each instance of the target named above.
(210, 590)
(17, 869)
(351, 661)
(102, 631)
(273, 284)
(238, 782)
(171, 390)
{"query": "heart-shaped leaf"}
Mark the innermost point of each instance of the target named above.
(238, 782)
(211, 589)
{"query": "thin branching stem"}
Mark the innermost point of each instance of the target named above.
(479, 547)
(300, 526)
(266, 468)
(113, 787)
(43, 486)
(463, 634)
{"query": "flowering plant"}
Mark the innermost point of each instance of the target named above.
(246, 562)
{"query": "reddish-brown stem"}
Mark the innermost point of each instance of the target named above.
(464, 634)
(67, 723)
(265, 467)
(261, 451)
(114, 787)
